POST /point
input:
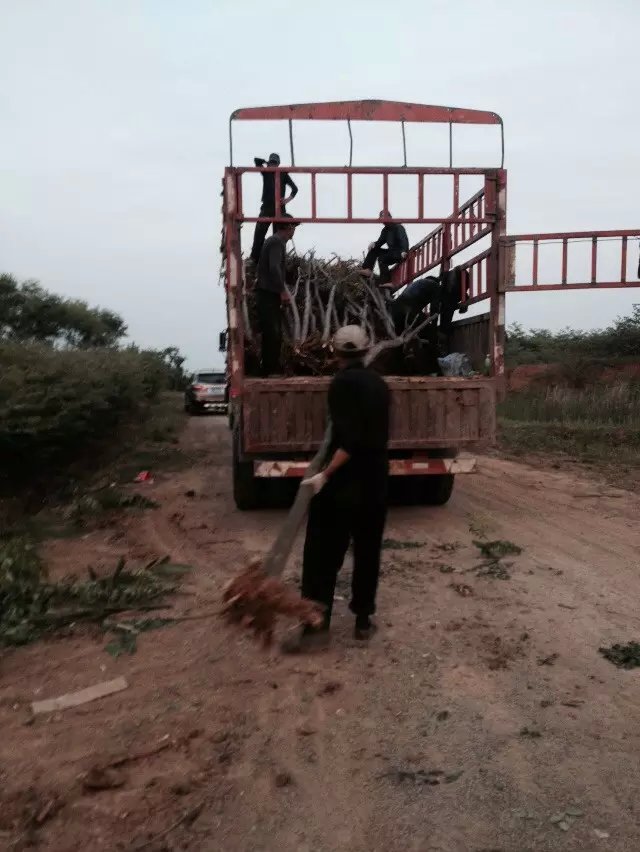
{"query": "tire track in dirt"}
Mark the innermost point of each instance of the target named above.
(448, 684)
(341, 795)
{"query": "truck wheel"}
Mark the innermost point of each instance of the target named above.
(281, 492)
(436, 490)
(247, 489)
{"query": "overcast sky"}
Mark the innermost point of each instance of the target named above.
(113, 133)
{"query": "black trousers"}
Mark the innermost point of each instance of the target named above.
(404, 313)
(332, 524)
(260, 233)
(385, 257)
(400, 311)
(269, 308)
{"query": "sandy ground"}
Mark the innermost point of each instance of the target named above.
(467, 724)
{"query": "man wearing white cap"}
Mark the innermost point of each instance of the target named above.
(269, 206)
(350, 502)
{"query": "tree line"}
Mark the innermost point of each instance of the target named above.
(29, 314)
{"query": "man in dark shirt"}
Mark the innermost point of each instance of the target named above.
(271, 294)
(443, 295)
(269, 205)
(453, 297)
(406, 307)
(395, 238)
(350, 502)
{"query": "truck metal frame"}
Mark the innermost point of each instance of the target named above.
(279, 423)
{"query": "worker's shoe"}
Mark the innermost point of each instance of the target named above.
(306, 640)
(364, 629)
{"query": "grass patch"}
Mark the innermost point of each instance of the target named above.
(31, 606)
(395, 544)
(624, 656)
(601, 446)
(494, 550)
(125, 640)
(598, 425)
(531, 733)
(615, 405)
(90, 506)
(493, 553)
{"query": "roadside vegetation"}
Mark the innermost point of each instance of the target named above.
(69, 387)
(582, 401)
(619, 342)
(81, 414)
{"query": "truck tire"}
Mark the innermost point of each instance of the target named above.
(436, 490)
(281, 492)
(247, 488)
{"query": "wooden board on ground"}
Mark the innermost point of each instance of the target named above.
(84, 696)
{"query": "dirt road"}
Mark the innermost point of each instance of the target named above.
(469, 723)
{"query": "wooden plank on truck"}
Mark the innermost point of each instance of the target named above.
(487, 414)
(469, 414)
(299, 401)
(452, 414)
(436, 409)
(319, 415)
(290, 415)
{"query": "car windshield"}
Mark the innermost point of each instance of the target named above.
(210, 378)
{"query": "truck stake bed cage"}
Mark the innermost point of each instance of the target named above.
(278, 423)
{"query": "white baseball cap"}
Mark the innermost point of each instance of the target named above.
(351, 340)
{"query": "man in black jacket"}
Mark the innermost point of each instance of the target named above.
(407, 307)
(394, 236)
(271, 294)
(269, 203)
(350, 502)
(444, 295)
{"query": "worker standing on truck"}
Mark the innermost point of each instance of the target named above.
(269, 206)
(394, 236)
(271, 294)
(350, 502)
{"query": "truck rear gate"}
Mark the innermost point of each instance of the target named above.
(284, 416)
(279, 423)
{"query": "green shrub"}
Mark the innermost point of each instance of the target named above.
(539, 346)
(59, 405)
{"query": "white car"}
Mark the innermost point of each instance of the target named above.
(208, 391)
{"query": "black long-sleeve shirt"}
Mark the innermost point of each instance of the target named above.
(271, 265)
(394, 236)
(359, 411)
(422, 292)
(269, 185)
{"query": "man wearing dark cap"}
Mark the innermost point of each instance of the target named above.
(269, 205)
(271, 294)
(350, 502)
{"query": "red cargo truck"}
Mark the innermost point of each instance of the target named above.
(278, 423)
